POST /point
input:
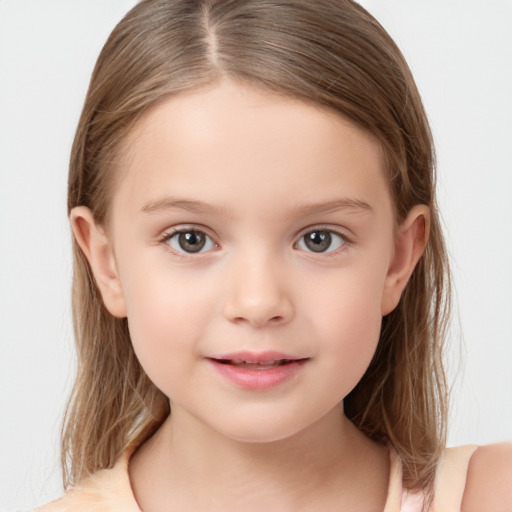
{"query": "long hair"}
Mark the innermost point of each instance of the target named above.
(327, 52)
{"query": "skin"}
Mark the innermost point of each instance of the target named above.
(489, 478)
(255, 172)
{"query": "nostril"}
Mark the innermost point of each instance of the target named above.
(259, 321)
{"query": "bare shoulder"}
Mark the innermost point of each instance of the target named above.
(489, 480)
(54, 506)
(75, 500)
(106, 490)
(64, 504)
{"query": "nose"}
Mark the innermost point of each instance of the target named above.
(258, 293)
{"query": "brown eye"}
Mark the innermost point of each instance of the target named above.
(321, 240)
(190, 241)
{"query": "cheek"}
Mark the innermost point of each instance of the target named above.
(349, 320)
(165, 317)
(355, 329)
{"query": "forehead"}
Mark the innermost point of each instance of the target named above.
(231, 144)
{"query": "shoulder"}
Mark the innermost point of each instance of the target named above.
(107, 490)
(67, 503)
(54, 506)
(75, 500)
(489, 480)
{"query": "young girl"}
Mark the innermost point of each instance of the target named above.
(261, 284)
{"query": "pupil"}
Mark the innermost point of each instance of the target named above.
(191, 241)
(318, 241)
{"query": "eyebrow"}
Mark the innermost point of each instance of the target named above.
(355, 205)
(200, 207)
(190, 205)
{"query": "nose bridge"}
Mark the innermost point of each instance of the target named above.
(258, 292)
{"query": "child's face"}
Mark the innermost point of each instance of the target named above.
(248, 226)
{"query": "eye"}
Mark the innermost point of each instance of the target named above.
(321, 240)
(190, 241)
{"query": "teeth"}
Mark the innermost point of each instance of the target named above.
(259, 364)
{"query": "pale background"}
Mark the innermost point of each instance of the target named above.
(461, 54)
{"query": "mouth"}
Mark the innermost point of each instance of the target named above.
(258, 365)
(261, 371)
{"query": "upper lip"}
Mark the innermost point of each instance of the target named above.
(257, 357)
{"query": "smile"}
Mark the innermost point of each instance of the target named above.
(257, 372)
(260, 365)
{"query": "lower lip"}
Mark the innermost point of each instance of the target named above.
(258, 380)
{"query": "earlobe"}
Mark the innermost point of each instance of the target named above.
(410, 242)
(97, 248)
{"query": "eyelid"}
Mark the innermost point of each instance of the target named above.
(342, 231)
(169, 233)
(333, 230)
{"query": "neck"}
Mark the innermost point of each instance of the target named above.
(188, 465)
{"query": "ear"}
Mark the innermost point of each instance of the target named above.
(410, 241)
(97, 248)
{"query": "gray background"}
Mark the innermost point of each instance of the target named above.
(461, 54)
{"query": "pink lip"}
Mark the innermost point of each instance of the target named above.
(257, 371)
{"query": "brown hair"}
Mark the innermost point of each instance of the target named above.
(328, 52)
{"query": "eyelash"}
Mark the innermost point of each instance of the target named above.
(331, 232)
(167, 237)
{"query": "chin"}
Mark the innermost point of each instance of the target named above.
(262, 436)
(260, 429)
